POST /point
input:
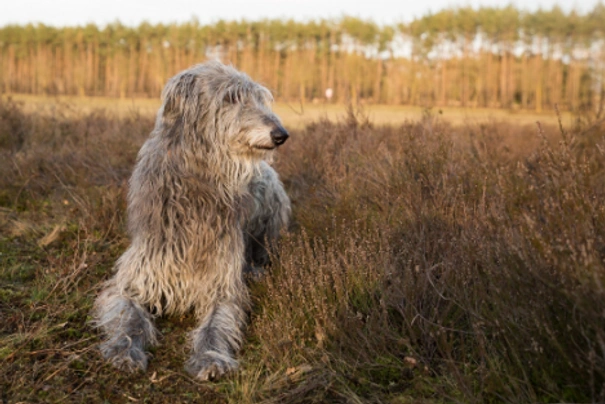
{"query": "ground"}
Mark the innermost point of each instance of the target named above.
(428, 261)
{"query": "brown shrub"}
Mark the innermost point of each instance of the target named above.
(485, 267)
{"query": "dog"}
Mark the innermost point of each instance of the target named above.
(202, 202)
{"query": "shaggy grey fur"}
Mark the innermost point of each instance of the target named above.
(202, 200)
(270, 212)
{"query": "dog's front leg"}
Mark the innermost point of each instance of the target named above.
(128, 328)
(217, 340)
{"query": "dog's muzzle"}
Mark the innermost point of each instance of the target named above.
(279, 135)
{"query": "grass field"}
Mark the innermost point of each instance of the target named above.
(295, 115)
(428, 262)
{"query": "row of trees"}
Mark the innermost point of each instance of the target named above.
(493, 57)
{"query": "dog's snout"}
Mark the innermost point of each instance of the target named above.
(279, 135)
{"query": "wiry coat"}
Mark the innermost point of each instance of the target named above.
(201, 202)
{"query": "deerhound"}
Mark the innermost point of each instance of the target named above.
(202, 201)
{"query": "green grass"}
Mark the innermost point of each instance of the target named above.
(426, 262)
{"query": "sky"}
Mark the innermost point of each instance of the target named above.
(131, 12)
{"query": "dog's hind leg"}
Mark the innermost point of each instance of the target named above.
(128, 329)
(269, 215)
(216, 341)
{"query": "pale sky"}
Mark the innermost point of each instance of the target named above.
(131, 12)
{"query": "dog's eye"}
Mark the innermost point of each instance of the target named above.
(231, 98)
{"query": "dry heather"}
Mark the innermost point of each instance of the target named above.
(426, 263)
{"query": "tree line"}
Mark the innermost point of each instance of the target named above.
(484, 57)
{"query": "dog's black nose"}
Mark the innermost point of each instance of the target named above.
(279, 135)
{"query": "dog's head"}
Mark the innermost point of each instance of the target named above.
(216, 106)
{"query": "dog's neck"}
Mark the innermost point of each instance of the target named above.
(234, 178)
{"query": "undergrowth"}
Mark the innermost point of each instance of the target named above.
(425, 263)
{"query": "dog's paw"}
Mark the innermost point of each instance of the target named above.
(130, 358)
(210, 365)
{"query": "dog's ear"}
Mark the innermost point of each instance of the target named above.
(180, 96)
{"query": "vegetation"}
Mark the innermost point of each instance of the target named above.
(489, 57)
(425, 263)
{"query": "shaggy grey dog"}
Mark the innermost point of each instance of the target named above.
(202, 201)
